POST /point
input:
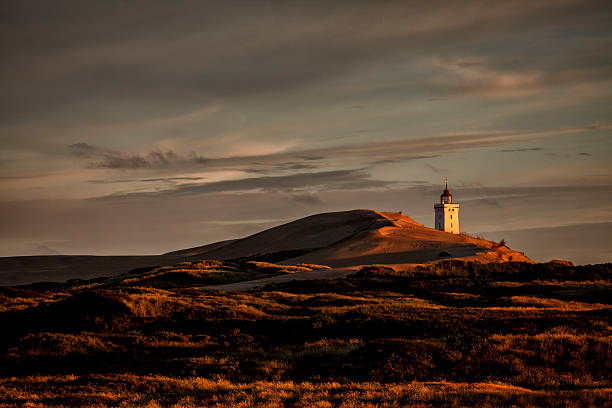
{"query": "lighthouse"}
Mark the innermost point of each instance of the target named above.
(447, 212)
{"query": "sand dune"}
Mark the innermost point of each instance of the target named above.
(344, 239)
(363, 237)
(310, 233)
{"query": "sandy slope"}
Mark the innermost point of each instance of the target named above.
(260, 283)
(363, 237)
(316, 231)
(199, 250)
(339, 239)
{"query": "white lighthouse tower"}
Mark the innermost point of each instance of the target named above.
(447, 212)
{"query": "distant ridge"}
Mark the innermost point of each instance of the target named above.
(199, 250)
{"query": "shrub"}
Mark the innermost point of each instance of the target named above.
(60, 344)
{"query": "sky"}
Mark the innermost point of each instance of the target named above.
(141, 127)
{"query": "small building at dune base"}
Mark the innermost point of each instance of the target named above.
(447, 213)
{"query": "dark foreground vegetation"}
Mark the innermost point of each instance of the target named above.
(453, 334)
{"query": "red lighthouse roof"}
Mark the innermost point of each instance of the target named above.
(446, 197)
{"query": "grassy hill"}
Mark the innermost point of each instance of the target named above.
(455, 334)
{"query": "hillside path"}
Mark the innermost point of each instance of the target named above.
(259, 283)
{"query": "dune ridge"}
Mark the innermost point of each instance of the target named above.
(362, 237)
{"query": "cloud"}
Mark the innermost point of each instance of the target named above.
(394, 150)
(146, 180)
(129, 55)
(400, 158)
(522, 149)
(347, 155)
(121, 161)
(489, 84)
(102, 158)
(111, 161)
(86, 150)
(506, 78)
(432, 168)
(279, 167)
(492, 202)
(307, 199)
(41, 249)
(471, 62)
(327, 180)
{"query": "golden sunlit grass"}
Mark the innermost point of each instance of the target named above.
(12, 299)
(460, 337)
(149, 391)
(207, 272)
(555, 304)
(18, 303)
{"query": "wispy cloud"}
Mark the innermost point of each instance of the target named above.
(103, 158)
(503, 77)
(41, 249)
(492, 202)
(146, 180)
(522, 149)
(432, 168)
(327, 180)
(307, 199)
(347, 155)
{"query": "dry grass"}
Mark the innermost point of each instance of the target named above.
(61, 344)
(451, 338)
(205, 272)
(555, 304)
(152, 391)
